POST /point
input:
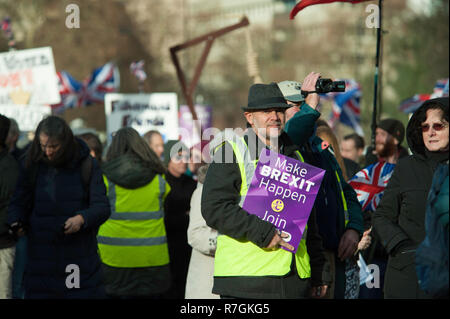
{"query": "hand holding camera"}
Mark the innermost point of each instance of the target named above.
(313, 84)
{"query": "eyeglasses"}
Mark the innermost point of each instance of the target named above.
(436, 127)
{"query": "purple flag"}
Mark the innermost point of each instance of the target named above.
(282, 192)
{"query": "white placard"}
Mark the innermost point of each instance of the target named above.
(30, 72)
(27, 116)
(143, 112)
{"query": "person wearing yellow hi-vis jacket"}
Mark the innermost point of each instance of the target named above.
(132, 242)
(248, 261)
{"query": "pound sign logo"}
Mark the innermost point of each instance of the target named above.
(277, 205)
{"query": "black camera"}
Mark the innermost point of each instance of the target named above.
(328, 85)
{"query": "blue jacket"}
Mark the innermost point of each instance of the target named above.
(329, 203)
(59, 194)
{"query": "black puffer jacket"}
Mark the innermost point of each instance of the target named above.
(57, 194)
(9, 170)
(400, 216)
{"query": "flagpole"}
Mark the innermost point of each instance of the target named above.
(377, 62)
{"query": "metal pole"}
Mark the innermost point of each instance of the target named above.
(377, 61)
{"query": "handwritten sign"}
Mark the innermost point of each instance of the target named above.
(27, 116)
(283, 193)
(143, 112)
(29, 72)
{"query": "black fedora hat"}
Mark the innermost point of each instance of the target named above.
(265, 96)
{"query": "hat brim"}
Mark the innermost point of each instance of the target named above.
(266, 107)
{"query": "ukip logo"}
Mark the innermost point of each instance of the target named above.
(277, 205)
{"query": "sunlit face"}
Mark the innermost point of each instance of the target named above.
(381, 138)
(349, 150)
(267, 124)
(385, 143)
(435, 131)
(50, 147)
(157, 144)
(290, 112)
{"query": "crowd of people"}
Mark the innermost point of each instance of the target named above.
(142, 219)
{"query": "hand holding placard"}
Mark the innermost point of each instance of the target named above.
(278, 241)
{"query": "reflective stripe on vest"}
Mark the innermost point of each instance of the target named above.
(247, 258)
(134, 235)
(344, 201)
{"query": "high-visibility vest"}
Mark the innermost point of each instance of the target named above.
(243, 258)
(341, 190)
(134, 235)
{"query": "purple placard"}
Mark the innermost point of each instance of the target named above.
(186, 124)
(282, 192)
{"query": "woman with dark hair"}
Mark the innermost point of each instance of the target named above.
(133, 243)
(400, 217)
(60, 201)
(94, 144)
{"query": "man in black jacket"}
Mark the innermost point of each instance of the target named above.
(9, 170)
(254, 274)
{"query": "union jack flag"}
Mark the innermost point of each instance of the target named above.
(440, 88)
(370, 182)
(69, 89)
(346, 106)
(137, 68)
(105, 79)
(410, 105)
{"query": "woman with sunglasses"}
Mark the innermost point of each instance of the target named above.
(400, 217)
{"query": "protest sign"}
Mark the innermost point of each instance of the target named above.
(282, 192)
(143, 112)
(189, 132)
(28, 116)
(28, 73)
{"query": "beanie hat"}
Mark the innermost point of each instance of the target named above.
(4, 129)
(393, 127)
(179, 146)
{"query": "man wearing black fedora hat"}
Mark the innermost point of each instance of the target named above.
(248, 261)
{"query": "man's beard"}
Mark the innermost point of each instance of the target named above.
(388, 149)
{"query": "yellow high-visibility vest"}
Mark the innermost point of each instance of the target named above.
(243, 258)
(134, 235)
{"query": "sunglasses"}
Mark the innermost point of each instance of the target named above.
(436, 127)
